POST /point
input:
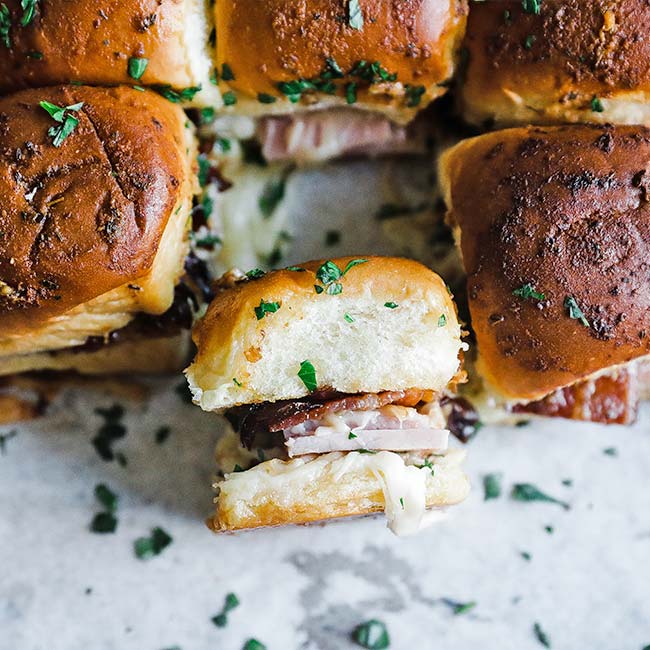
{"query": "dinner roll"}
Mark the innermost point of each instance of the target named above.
(363, 324)
(554, 229)
(94, 216)
(276, 56)
(547, 61)
(143, 42)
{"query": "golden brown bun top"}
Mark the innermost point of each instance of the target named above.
(81, 219)
(91, 41)
(565, 210)
(595, 47)
(270, 41)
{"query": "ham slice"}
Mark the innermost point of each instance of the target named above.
(322, 135)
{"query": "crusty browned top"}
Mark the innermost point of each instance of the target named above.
(597, 46)
(565, 210)
(79, 220)
(91, 41)
(270, 41)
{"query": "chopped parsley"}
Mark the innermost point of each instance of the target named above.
(527, 291)
(5, 26)
(352, 436)
(372, 73)
(329, 275)
(442, 320)
(492, 486)
(105, 521)
(230, 603)
(229, 98)
(137, 66)
(111, 430)
(414, 95)
(147, 547)
(207, 115)
(529, 492)
(429, 465)
(254, 644)
(401, 502)
(355, 15)
(237, 382)
(29, 9)
(610, 451)
(307, 374)
(526, 555)
(266, 308)
(255, 274)
(541, 636)
(332, 237)
(597, 105)
(271, 196)
(162, 433)
(227, 73)
(567, 482)
(549, 529)
(265, 98)
(372, 634)
(351, 93)
(3, 440)
(61, 114)
(391, 305)
(177, 96)
(459, 608)
(204, 169)
(571, 305)
(528, 43)
(532, 6)
(298, 269)
(347, 318)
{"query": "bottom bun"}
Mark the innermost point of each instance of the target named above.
(155, 355)
(315, 488)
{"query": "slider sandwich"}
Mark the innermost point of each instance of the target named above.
(554, 61)
(317, 79)
(332, 376)
(553, 225)
(162, 43)
(96, 188)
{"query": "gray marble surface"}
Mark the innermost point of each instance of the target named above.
(62, 587)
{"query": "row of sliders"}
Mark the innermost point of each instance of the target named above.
(317, 79)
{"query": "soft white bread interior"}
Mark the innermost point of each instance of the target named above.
(314, 488)
(384, 324)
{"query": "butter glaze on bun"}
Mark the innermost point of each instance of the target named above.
(574, 61)
(266, 42)
(93, 215)
(92, 41)
(392, 326)
(563, 212)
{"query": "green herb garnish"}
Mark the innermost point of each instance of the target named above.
(528, 43)
(147, 547)
(105, 522)
(492, 486)
(541, 636)
(177, 96)
(255, 274)
(227, 73)
(254, 644)
(414, 95)
(61, 114)
(265, 98)
(528, 492)
(347, 318)
(372, 634)
(610, 451)
(442, 320)
(352, 436)
(351, 93)
(137, 66)
(528, 291)
(571, 305)
(532, 6)
(266, 308)
(307, 373)
(111, 430)
(29, 9)
(272, 195)
(429, 465)
(237, 382)
(221, 619)
(5, 26)
(329, 274)
(526, 555)
(391, 305)
(229, 98)
(597, 105)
